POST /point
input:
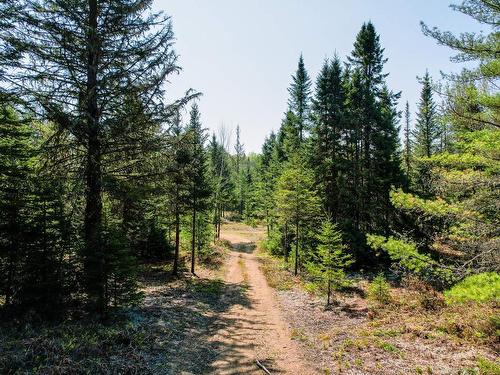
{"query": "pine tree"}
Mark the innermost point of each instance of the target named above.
(472, 105)
(407, 147)
(80, 62)
(239, 155)
(200, 186)
(16, 153)
(179, 184)
(297, 202)
(223, 182)
(299, 102)
(427, 130)
(328, 107)
(373, 122)
(330, 260)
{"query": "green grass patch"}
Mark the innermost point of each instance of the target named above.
(208, 287)
(487, 367)
(483, 287)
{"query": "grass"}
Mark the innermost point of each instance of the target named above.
(276, 273)
(208, 288)
(487, 367)
(483, 287)
(388, 347)
(73, 347)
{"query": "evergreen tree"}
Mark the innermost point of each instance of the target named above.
(330, 260)
(16, 154)
(200, 186)
(299, 102)
(239, 156)
(178, 183)
(328, 107)
(427, 129)
(386, 161)
(473, 100)
(289, 141)
(267, 174)
(373, 133)
(34, 232)
(297, 202)
(223, 182)
(78, 64)
(407, 141)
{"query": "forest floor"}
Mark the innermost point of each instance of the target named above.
(251, 309)
(355, 336)
(221, 321)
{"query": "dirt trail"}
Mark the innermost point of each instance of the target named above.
(258, 331)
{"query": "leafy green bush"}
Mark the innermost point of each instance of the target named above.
(272, 244)
(379, 290)
(483, 287)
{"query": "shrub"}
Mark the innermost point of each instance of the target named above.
(483, 287)
(272, 244)
(379, 290)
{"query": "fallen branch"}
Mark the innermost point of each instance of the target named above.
(263, 367)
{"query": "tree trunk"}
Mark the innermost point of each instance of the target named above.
(285, 247)
(175, 268)
(193, 238)
(267, 222)
(219, 220)
(329, 291)
(94, 257)
(297, 248)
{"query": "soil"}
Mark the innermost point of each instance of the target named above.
(259, 331)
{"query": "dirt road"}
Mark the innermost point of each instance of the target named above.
(258, 331)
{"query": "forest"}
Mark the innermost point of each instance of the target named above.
(105, 185)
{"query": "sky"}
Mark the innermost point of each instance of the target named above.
(240, 54)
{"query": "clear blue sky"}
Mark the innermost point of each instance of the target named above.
(241, 53)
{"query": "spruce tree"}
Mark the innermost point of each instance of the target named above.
(328, 107)
(200, 190)
(221, 174)
(407, 141)
(427, 129)
(297, 201)
(299, 101)
(239, 156)
(178, 182)
(16, 154)
(386, 163)
(371, 142)
(330, 261)
(80, 60)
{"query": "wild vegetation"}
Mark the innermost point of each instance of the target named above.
(106, 190)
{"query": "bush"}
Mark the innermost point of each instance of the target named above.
(272, 244)
(483, 287)
(379, 290)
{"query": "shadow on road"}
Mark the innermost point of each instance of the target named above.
(183, 317)
(244, 247)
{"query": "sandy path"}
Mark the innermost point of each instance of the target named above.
(258, 330)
